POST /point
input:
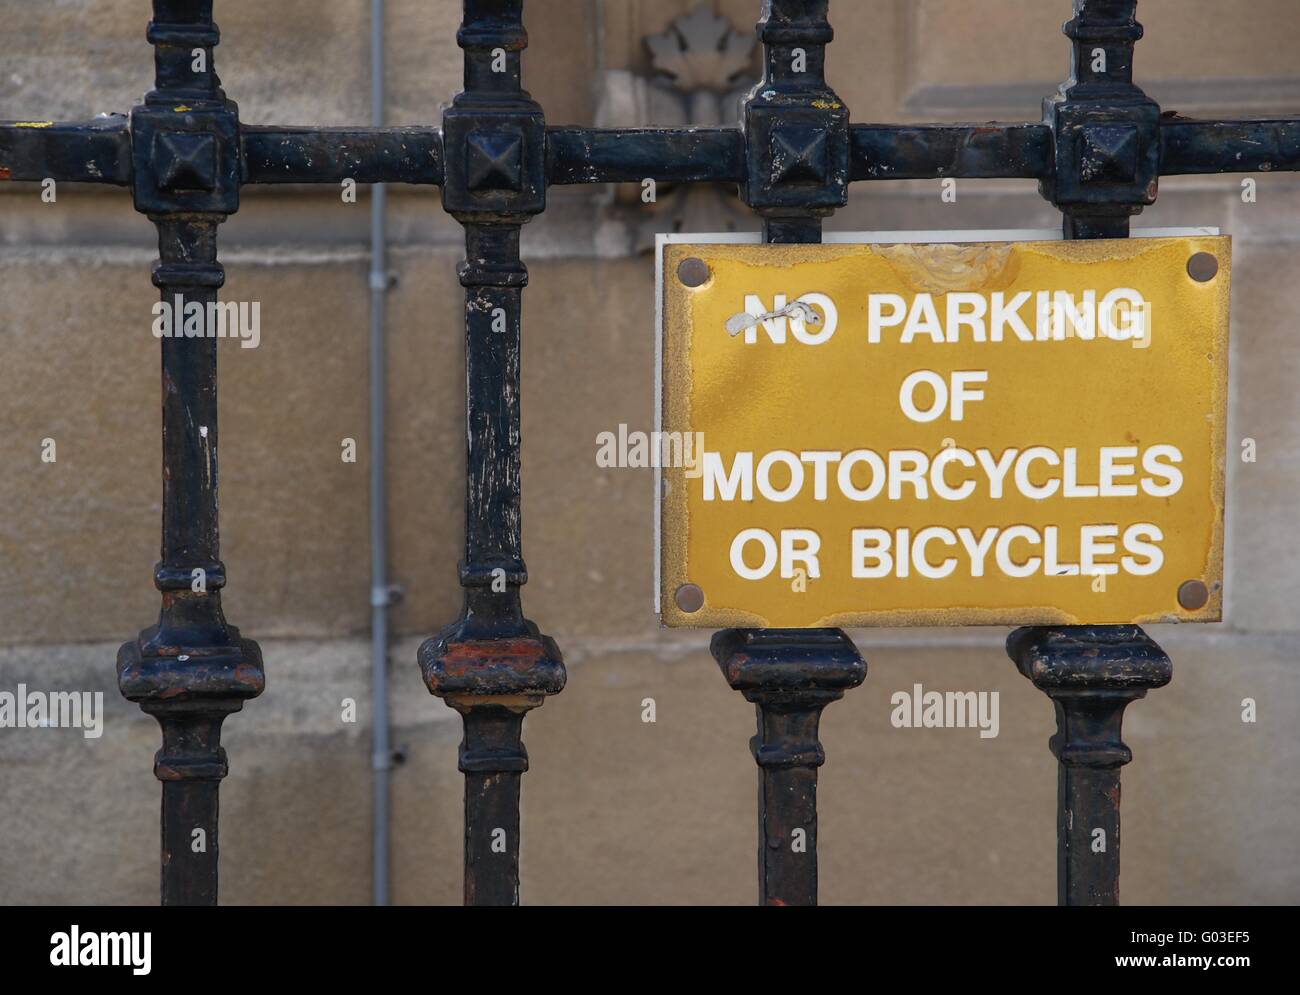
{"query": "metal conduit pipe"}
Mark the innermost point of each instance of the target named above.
(381, 593)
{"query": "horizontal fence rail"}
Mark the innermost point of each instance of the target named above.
(1098, 153)
(100, 152)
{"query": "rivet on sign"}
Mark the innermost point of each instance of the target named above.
(1193, 594)
(1202, 267)
(689, 598)
(693, 272)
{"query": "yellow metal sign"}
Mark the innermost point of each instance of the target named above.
(943, 434)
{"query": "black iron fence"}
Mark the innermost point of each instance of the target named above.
(1098, 154)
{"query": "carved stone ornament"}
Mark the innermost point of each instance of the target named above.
(703, 67)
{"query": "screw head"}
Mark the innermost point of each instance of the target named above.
(1202, 267)
(1193, 594)
(693, 272)
(689, 598)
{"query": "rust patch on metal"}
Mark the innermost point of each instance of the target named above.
(517, 654)
(251, 676)
(518, 703)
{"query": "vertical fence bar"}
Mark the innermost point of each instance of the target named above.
(797, 141)
(1091, 673)
(1107, 147)
(192, 669)
(493, 665)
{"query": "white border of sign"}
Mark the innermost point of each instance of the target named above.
(834, 238)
